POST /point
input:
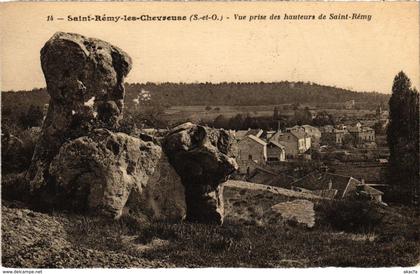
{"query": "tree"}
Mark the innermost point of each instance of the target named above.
(150, 116)
(403, 140)
(349, 141)
(302, 116)
(221, 122)
(236, 122)
(323, 118)
(249, 122)
(32, 118)
(276, 115)
(379, 128)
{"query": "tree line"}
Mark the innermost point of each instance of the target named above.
(237, 94)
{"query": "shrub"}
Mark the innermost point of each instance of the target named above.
(17, 150)
(350, 216)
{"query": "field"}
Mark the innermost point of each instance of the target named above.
(175, 113)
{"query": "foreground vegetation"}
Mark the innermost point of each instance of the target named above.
(377, 237)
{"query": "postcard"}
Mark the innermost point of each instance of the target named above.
(210, 135)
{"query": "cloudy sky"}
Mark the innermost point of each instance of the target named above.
(357, 54)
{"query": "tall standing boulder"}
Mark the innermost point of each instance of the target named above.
(203, 158)
(85, 80)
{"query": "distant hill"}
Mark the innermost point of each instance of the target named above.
(14, 103)
(252, 94)
(235, 94)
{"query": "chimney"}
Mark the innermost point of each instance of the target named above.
(278, 125)
(363, 181)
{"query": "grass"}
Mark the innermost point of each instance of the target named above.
(253, 246)
(393, 242)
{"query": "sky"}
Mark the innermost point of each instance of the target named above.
(359, 55)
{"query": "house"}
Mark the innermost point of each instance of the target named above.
(240, 134)
(370, 192)
(267, 134)
(326, 184)
(256, 132)
(367, 134)
(251, 151)
(362, 134)
(314, 133)
(326, 129)
(301, 131)
(381, 114)
(275, 152)
(268, 177)
(334, 137)
(316, 181)
(295, 142)
(383, 161)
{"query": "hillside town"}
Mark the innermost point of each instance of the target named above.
(308, 158)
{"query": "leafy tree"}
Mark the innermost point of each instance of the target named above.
(236, 122)
(303, 116)
(403, 139)
(150, 116)
(323, 118)
(349, 141)
(221, 122)
(32, 118)
(249, 122)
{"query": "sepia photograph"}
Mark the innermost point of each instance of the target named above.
(148, 135)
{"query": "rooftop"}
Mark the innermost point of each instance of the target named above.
(256, 139)
(299, 134)
(276, 144)
(317, 181)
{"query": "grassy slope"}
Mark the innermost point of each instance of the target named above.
(34, 239)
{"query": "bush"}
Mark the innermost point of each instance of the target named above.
(350, 216)
(17, 149)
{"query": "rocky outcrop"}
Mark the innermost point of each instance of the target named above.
(300, 211)
(110, 173)
(203, 158)
(85, 78)
(81, 163)
(251, 203)
(37, 240)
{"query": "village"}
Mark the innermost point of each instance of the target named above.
(336, 162)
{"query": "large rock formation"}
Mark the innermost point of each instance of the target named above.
(81, 163)
(84, 79)
(300, 211)
(108, 172)
(203, 157)
(252, 203)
